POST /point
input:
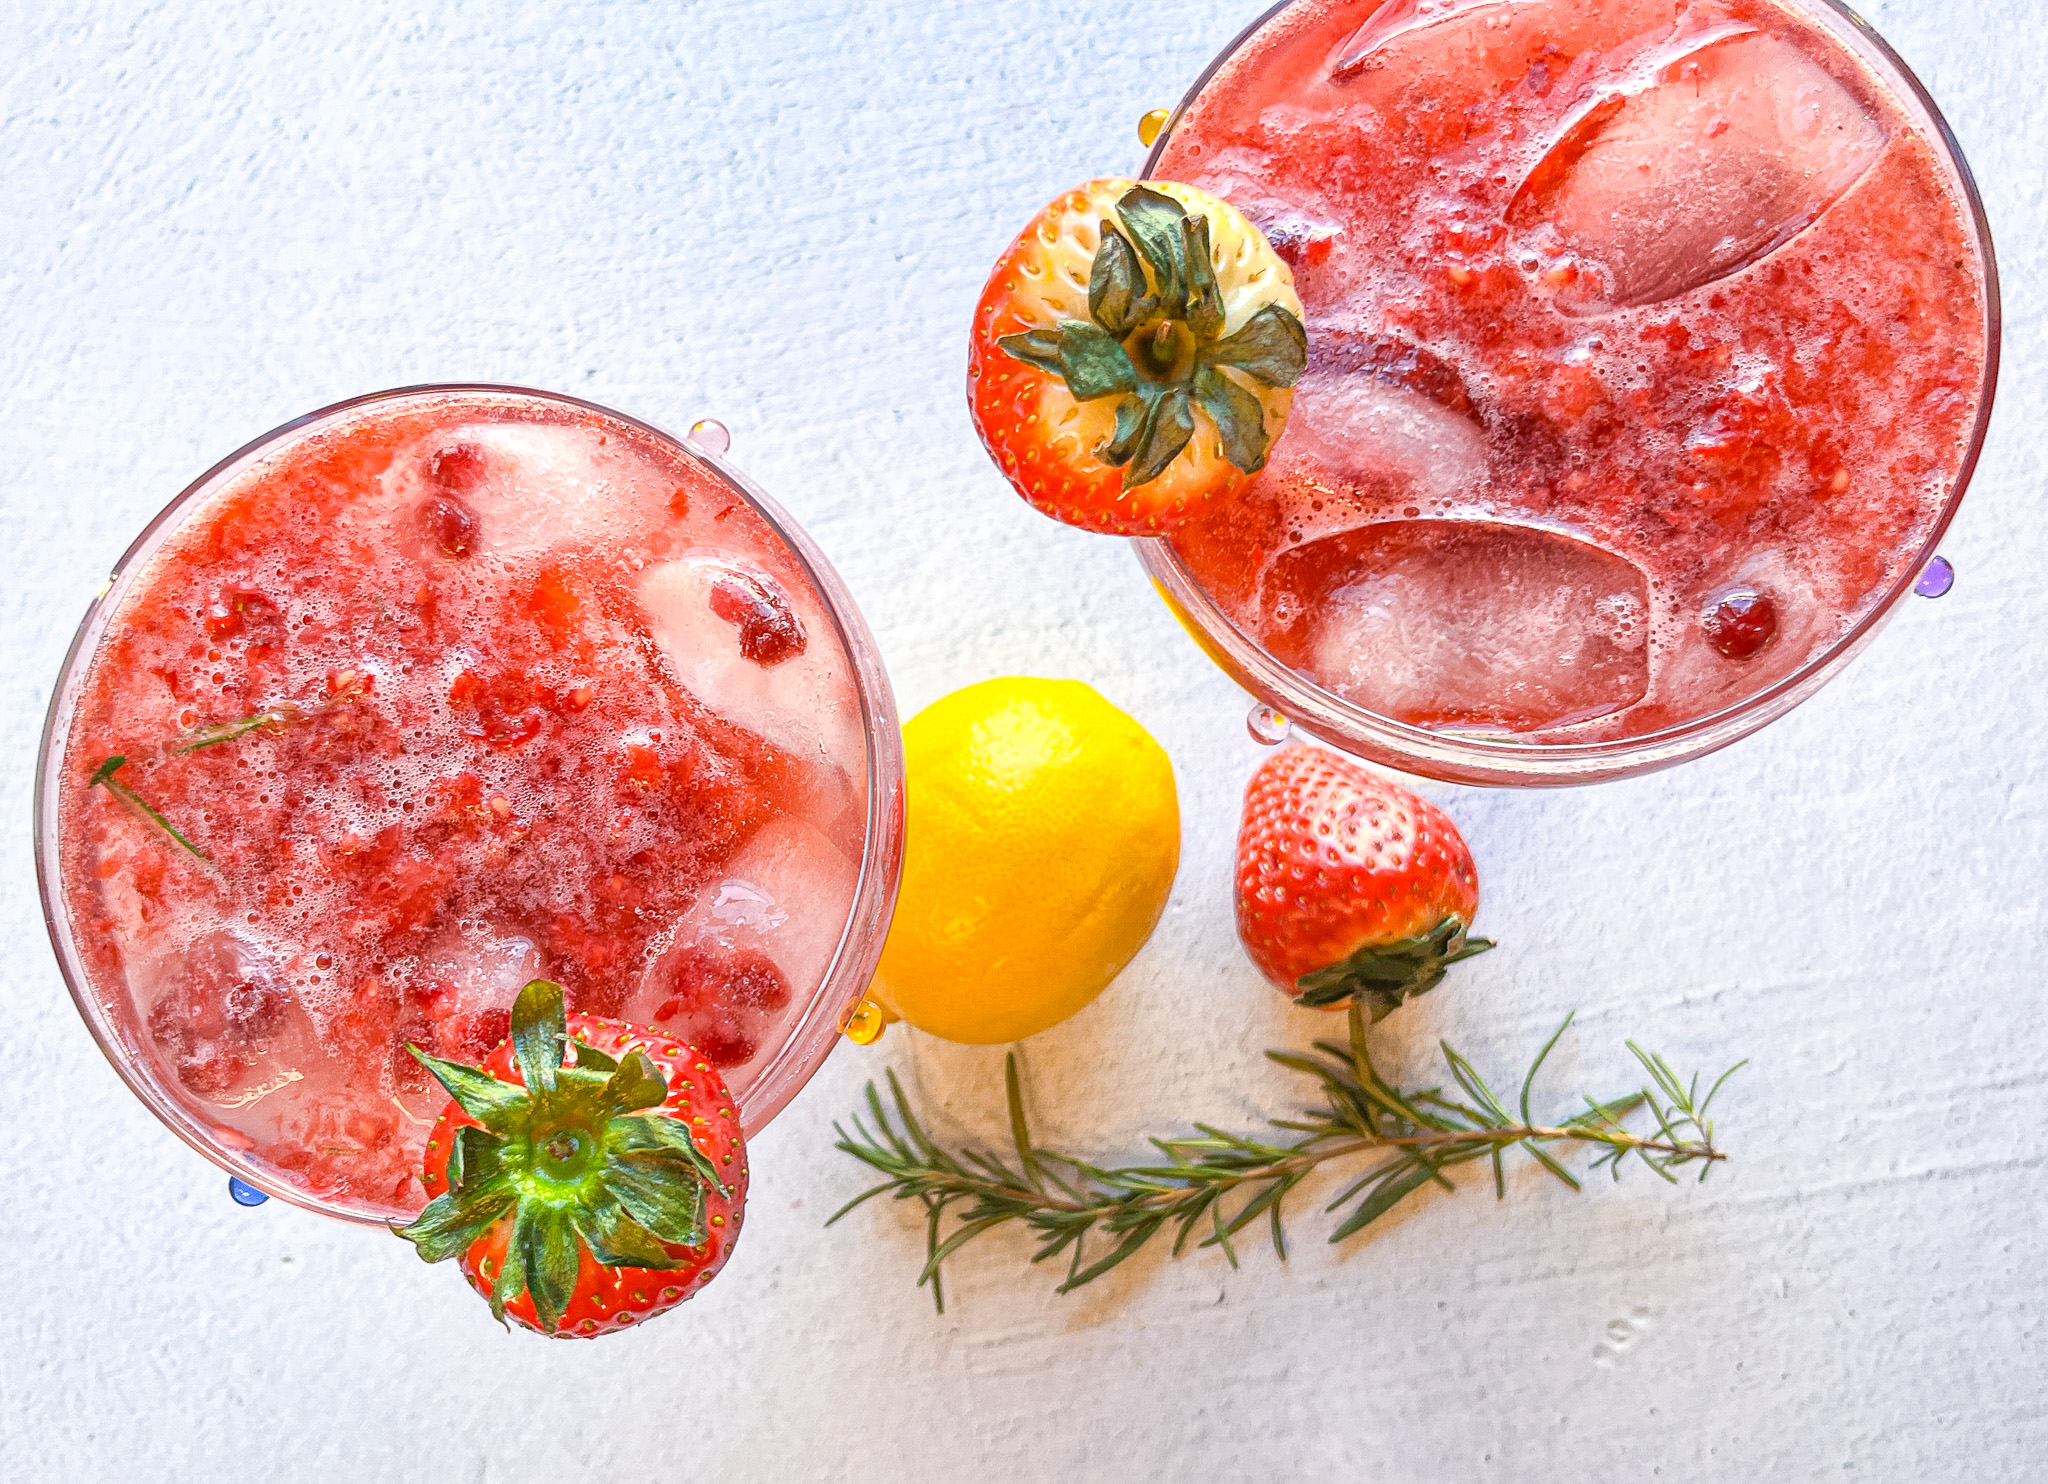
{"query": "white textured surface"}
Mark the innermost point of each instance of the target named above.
(219, 216)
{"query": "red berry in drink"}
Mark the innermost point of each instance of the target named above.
(459, 467)
(1741, 624)
(451, 524)
(770, 631)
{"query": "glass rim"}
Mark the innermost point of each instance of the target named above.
(810, 1037)
(1583, 762)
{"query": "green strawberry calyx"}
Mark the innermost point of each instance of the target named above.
(568, 1158)
(1154, 338)
(1382, 977)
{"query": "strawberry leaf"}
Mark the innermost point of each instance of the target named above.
(1086, 357)
(1240, 418)
(616, 1239)
(1271, 347)
(1205, 298)
(1093, 363)
(589, 1058)
(1154, 222)
(498, 1106)
(539, 1032)
(1169, 424)
(452, 1221)
(1040, 348)
(1382, 977)
(662, 1193)
(1122, 446)
(636, 1084)
(475, 1159)
(1117, 300)
(661, 1136)
(546, 1243)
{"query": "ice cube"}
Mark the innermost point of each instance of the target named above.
(459, 998)
(1392, 421)
(754, 945)
(508, 490)
(802, 700)
(1717, 151)
(1464, 623)
(1396, 19)
(229, 1031)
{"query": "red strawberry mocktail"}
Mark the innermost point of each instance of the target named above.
(1648, 345)
(449, 692)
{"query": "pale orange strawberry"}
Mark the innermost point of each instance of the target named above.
(1133, 355)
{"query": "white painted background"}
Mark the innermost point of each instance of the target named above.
(217, 216)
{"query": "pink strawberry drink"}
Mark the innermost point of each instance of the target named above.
(1648, 346)
(444, 694)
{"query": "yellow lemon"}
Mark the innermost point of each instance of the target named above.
(1041, 840)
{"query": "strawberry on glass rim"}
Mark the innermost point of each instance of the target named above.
(584, 1195)
(1349, 886)
(1133, 355)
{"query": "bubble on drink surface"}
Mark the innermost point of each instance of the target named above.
(1936, 578)
(1699, 162)
(1467, 623)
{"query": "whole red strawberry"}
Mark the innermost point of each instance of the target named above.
(1349, 886)
(582, 1197)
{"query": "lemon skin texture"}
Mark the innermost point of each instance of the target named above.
(1042, 837)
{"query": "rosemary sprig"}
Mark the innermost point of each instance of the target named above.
(345, 687)
(277, 718)
(1219, 1183)
(103, 777)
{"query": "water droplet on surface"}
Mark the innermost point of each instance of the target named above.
(1936, 578)
(1268, 725)
(711, 435)
(1150, 125)
(245, 1195)
(864, 1026)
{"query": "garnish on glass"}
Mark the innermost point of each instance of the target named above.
(1215, 1183)
(1133, 355)
(582, 1195)
(343, 688)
